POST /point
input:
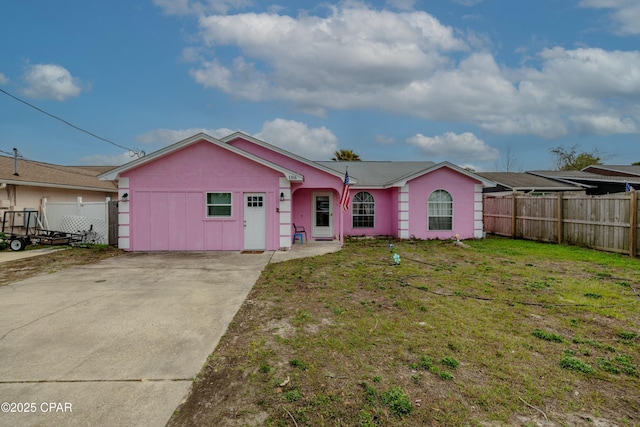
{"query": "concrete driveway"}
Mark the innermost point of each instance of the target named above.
(118, 342)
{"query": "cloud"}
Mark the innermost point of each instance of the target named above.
(408, 63)
(296, 137)
(51, 81)
(4, 79)
(603, 124)
(347, 59)
(625, 14)
(164, 137)
(189, 7)
(464, 147)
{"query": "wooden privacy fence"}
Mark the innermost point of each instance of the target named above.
(608, 223)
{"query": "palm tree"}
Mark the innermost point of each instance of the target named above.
(345, 156)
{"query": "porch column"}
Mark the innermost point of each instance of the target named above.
(284, 208)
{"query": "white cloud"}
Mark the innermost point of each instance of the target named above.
(603, 124)
(4, 79)
(188, 7)
(625, 14)
(347, 59)
(464, 147)
(51, 81)
(164, 137)
(104, 160)
(408, 63)
(296, 137)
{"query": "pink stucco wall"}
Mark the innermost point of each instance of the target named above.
(314, 180)
(168, 200)
(385, 214)
(461, 188)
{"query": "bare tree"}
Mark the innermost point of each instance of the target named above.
(509, 162)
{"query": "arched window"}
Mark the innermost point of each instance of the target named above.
(363, 210)
(440, 210)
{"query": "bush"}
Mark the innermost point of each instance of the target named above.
(4, 243)
(397, 401)
(576, 364)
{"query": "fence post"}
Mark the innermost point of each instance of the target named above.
(513, 215)
(560, 219)
(633, 223)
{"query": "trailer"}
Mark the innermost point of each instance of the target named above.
(23, 228)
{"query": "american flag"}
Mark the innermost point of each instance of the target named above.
(344, 198)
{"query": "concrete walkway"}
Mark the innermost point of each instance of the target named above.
(7, 256)
(120, 341)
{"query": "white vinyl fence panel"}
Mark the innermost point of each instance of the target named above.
(89, 218)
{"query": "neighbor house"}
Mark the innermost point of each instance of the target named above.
(25, 183)
(34, 186)
(528, 183)
(240, 193)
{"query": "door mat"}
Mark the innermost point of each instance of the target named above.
(252, 252)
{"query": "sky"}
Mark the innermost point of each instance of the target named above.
(493, 85)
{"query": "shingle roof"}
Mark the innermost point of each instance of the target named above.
(523, 180)
(625, 169)
(377, 173)
(50, 175)
(584, 176)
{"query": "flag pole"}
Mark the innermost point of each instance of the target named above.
(342, 205)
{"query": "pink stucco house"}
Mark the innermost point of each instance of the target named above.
(240, 193)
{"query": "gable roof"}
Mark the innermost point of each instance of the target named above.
(385, 174)
(39, 174)
(524, 181)
(318, 165)
(115, 173)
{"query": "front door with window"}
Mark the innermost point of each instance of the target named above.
(322, 210)
(255, 221)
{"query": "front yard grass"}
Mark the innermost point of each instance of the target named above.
(500, 332)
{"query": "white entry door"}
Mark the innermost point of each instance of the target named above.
(322, 215)
(255, 221)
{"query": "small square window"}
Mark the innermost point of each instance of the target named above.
(254, 201)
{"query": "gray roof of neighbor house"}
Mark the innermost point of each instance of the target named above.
(39, 174)
(584, 176)
(619, 170)
(377, 173)
(524, 181)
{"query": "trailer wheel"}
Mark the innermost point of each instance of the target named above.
(17, 244)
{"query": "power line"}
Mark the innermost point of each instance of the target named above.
(135, 152)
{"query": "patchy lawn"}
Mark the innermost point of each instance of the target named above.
(500, 332)
(13, 271)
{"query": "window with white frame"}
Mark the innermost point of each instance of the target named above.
(363, 207)
(440, 211)
(219, 205)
